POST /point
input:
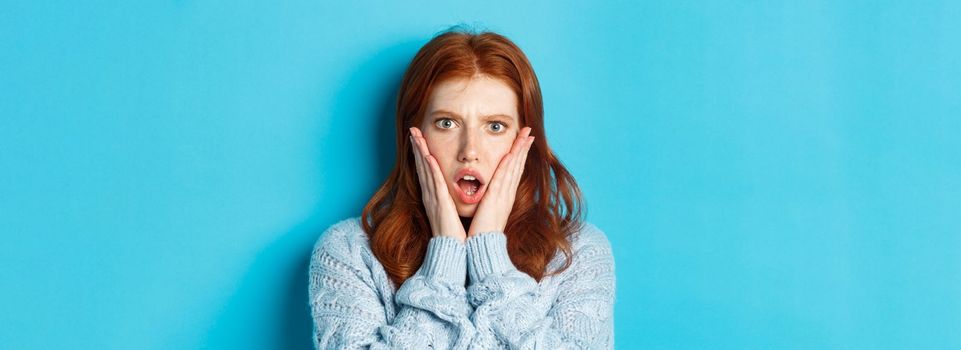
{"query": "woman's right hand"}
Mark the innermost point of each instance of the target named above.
(438, 203)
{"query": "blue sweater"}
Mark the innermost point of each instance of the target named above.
(355, 306)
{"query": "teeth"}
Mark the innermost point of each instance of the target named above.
(473, 189)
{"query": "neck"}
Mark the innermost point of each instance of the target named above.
(466, 222)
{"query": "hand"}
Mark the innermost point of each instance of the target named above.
(493, 211)
(438, 203)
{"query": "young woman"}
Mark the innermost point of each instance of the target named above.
(476, 238)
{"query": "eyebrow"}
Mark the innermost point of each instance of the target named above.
(489, 116)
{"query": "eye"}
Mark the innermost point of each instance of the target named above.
(498, 127)
(444, 123)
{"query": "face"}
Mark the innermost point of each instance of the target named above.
(470, 124)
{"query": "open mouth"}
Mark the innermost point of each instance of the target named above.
(469, 184)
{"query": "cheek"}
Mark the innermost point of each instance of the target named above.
(441, 150)
(438, 147)
(500, 149)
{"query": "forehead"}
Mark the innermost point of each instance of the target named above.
(478, 96)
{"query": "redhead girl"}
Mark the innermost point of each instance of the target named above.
(476, 239)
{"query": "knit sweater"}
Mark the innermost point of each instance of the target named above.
(465, 295)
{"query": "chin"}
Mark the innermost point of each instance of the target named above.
(466, 211)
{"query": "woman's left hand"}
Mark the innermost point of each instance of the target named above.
(493, 211)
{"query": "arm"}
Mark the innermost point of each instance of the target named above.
(581, 318)
(348, 314)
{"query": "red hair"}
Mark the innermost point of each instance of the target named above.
(548, 205)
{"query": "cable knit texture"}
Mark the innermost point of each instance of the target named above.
(464, 296)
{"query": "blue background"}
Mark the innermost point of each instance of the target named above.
(771, 174)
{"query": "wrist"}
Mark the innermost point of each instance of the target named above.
(450, 231)
(445, 260)
(478, 228)
(487, 255)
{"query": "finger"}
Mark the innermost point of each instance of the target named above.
(521, 144)
(517, 166)
(500, 174)
(418, 133)
(424, 169)
(506, 167)
(519, 140)
(522, 161)
(416, 153)
(421, 145)
(503, 175)
(415, 132)
(418, 164)
(528, 142)
(439, 181)
(422, 141)
(429, 181)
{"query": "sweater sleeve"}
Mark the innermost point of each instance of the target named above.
(348, 314)
(580, 318)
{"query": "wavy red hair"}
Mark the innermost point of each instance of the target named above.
(548, 204)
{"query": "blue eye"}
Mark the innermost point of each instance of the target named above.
(444, 123)
(497, 127)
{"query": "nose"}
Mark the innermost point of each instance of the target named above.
(468, 147)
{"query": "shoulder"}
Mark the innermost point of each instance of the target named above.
(345, 238)
(591, 252)
(590, 237)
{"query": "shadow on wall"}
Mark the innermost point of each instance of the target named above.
(270, 308)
